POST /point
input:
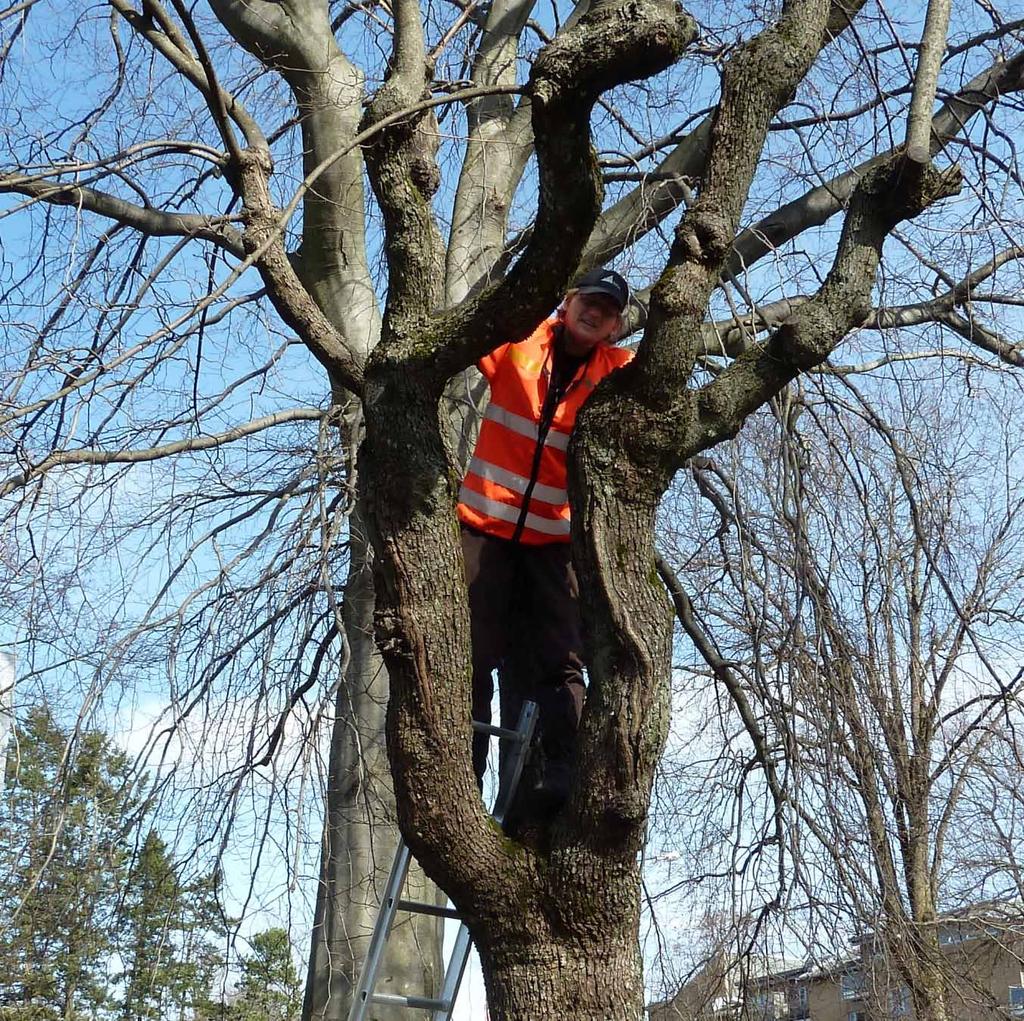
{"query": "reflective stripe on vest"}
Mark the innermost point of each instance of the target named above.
(518, 483)
(523, 426)
(506, 512)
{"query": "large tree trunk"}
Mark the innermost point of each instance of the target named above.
(359, 826)
(360, 831)
(555, 981)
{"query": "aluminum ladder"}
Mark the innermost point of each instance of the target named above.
(392, 902)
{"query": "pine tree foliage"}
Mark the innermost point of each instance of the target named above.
(168, 939)
(62, 839)
(269, 989)
(98, 923)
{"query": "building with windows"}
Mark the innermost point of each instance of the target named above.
(982, 954)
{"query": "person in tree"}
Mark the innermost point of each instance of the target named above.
(514, 515)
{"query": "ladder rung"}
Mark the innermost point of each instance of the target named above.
(423, 908)
(441, 1008)
(503, 732)
(420, 1002)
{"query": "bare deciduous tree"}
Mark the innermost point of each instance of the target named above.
(189, 190)
(866, 624)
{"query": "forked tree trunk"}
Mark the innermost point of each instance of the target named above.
(556, 926)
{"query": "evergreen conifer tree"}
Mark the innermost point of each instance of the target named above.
(269, 989)
(67, 804)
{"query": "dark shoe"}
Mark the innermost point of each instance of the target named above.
(551, 792)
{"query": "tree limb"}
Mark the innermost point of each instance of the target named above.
(883, 198)
(819, 204)
(63, 458)
(497, 148)
(296, 40)
(145, 219)
(635, 214)
(929, 60)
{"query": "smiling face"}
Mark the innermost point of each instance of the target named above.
(590, 319)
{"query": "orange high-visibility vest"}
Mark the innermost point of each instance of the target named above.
(505, 466)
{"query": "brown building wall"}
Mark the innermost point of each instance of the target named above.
(981, 972)
(825, 1002)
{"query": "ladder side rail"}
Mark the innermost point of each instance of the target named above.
(509, 783)
(453, 974)
(381, 931)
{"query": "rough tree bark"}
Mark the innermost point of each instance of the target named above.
(556, 924)
(555, 918)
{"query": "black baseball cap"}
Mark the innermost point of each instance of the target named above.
(605, 281)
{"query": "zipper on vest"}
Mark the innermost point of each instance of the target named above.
(552, 398)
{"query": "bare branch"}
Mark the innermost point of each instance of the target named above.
(637, 213)
(145, 219)
(606, 45)
(933, 44)
(17, 8)
(882, 200)
(821, 203)
(63, 458)
(169, 42)
(497, 147)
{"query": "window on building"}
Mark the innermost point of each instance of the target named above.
(857, 1015)
(796, 1004)
(851, 986)
(1016, 997)
(899, 1002)
(761, 1006)
(768, 1005)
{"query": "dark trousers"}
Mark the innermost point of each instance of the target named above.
(524, 608)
